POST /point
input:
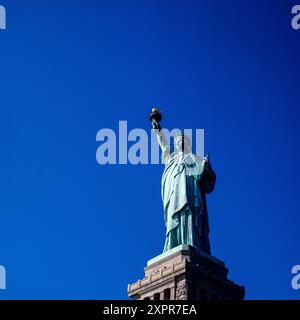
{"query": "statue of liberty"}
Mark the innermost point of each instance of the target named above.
(185, 181)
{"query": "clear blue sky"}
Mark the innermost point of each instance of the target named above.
(70, 228)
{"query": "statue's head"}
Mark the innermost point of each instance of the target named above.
(182, 143)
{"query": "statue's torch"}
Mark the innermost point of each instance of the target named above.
(155, 117)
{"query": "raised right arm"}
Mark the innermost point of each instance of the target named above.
(160, 135)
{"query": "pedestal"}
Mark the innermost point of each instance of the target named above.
(185, 273)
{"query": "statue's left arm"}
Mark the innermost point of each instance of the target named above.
(208, 178)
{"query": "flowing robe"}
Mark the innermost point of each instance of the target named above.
(184, 184)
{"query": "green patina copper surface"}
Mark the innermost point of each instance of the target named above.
(185, 181)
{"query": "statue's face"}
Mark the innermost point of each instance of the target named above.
(182, 145)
